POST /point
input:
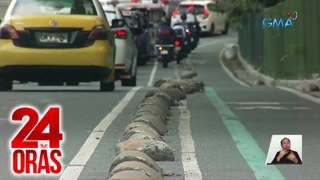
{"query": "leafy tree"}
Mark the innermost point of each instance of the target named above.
(239, 10)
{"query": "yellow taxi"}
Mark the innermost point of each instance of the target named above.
(53, 42)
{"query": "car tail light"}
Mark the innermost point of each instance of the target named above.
(205, 14)
(134, 1)
(174, 13)
(120, 66)
(177, 43)
(122, 34)
(8, 32)
(99, 33)
(164, 1)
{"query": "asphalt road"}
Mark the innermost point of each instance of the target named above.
(231, 125)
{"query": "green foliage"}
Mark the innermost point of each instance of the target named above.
(239, 10)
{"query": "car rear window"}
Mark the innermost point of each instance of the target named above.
(111, 15)
(198, 9)
(51, 7)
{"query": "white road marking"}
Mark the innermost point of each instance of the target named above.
(74, 169)
(260, 103)
(301, 94)
(262, 107)
(231, 74)
(153, 73)
(301, 108)
(188, 154)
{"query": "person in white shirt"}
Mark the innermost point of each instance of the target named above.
(191, 18)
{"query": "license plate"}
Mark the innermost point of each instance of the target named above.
(60, 38)
(164, 52)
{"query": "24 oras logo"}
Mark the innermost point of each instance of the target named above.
(281, 22)
(36, 148)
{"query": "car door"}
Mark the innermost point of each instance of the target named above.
(131, 47)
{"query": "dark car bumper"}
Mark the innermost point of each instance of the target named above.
(55, 73)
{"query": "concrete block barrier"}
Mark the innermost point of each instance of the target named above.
(157, 150)
(160, 130)
(134, 170)
(188, 74)
(170, 95)
(153, 121)
(157, 113)
(141, 133)
(154, 108)
(135, 156)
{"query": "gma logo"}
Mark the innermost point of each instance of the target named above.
(281, 22)
(278, 23)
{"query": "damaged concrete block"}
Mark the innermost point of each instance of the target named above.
(155, 112)
(156, 101)
(146, 125)
(308, 86)
(135, 156)
(141, 133)
(134, 170)
(153, 121)
(155, 108)
(188, 74)
(174, 94)
(157, 150)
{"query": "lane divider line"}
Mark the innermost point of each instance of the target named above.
(153, 73)
(188, 154)
(301, 94)
(74, 169)
(243, 139)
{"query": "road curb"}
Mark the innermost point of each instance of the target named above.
(304, 86)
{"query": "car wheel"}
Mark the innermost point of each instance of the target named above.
(133, 80)
(129, 82)
(212, 30)
(107, 86)
(226, 28)
(141, 60)
(5, 85)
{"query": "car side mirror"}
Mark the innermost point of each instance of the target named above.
(117, 23)
(136, 31)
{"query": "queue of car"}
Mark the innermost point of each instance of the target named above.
(68, 42)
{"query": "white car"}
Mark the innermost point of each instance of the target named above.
(126, 50)
(211, 17)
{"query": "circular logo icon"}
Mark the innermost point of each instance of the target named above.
(53, 23)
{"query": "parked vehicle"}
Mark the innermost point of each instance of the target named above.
(126, 50)
(56, 42)
(211, 17)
